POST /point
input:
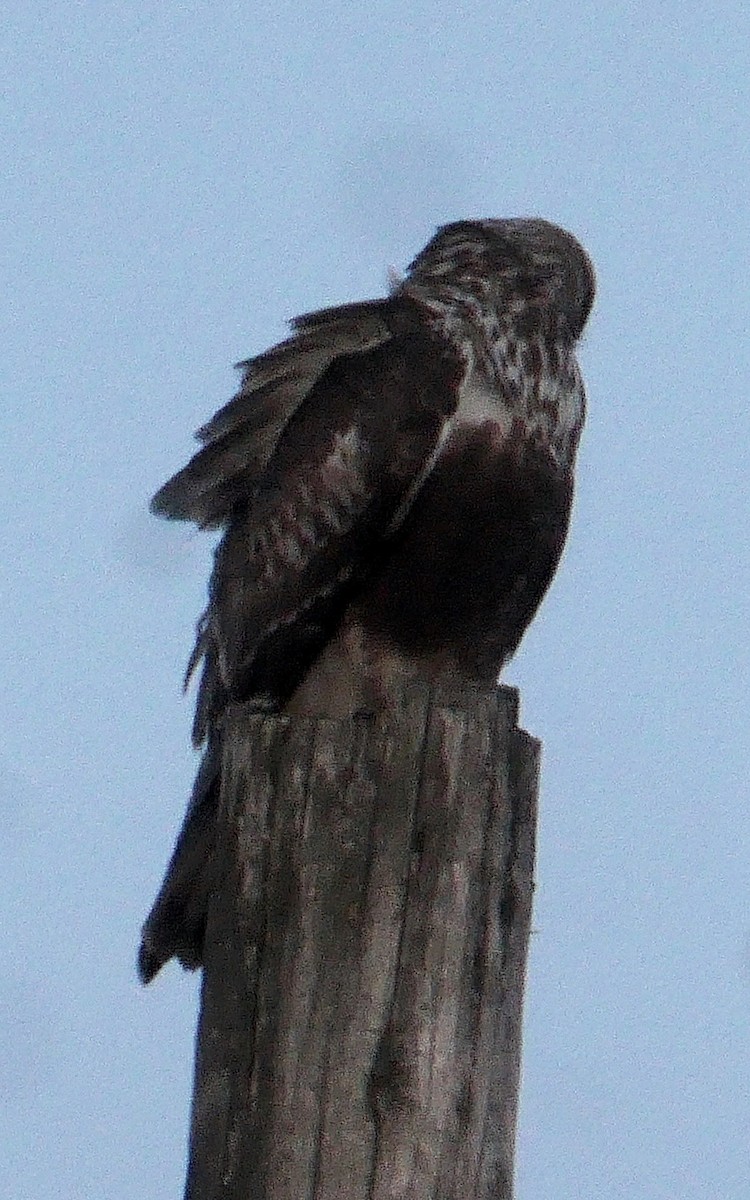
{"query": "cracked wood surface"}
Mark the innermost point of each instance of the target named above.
(360, 1025)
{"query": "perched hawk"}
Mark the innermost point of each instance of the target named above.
(394, 484)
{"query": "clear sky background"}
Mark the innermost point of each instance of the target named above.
(178, 180)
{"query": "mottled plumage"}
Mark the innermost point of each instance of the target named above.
(394, 483)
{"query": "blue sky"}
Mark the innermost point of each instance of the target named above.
(178, 181)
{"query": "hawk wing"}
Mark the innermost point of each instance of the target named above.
(308, 529)
(240, 438)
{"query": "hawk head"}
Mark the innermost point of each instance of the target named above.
(526, 269)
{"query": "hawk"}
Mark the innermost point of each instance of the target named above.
(394, 485)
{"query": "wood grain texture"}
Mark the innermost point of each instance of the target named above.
(360, 1025)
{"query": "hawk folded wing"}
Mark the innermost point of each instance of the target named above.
(241, 437)
(343, 472)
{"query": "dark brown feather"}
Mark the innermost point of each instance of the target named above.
(241, 437)
(342, 469)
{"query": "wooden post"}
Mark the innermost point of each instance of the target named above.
(360, 1025)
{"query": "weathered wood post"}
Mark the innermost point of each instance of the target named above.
(360, 1025)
